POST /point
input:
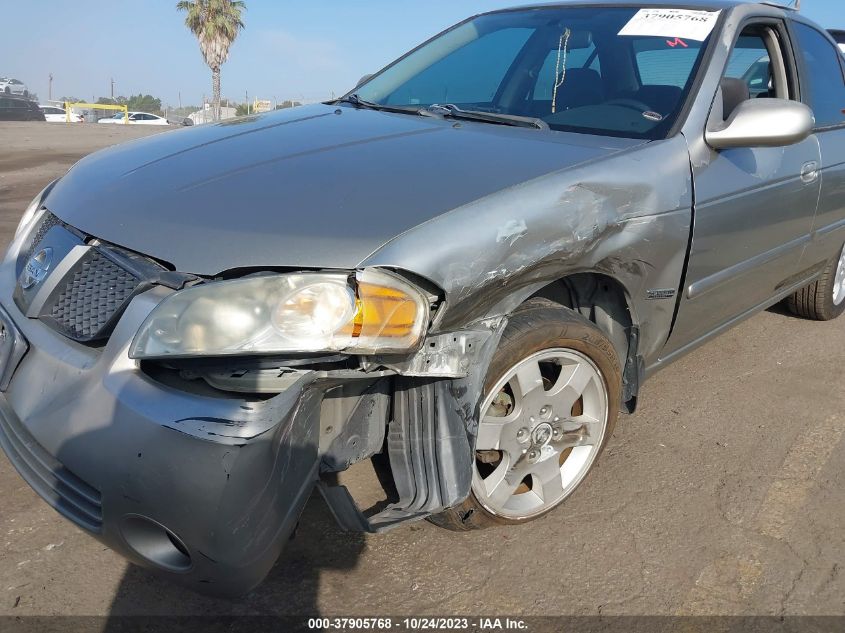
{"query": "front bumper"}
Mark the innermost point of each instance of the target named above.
(204, 489)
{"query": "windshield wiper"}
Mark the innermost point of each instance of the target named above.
(358, 102)
(455, 112)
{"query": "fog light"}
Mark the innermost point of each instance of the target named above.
(156, 544)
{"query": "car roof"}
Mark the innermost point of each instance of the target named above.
(669, 4)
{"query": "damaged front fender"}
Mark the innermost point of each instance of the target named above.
(627, 216)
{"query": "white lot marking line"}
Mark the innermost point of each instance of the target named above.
(729, 581)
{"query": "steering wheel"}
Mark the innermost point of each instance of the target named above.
(633, 104)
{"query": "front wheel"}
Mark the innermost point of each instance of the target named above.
(824, 299)
(551, 400)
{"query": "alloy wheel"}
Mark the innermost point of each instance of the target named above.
(541, 429)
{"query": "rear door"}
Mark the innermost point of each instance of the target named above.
(754, 207)
(823, 89)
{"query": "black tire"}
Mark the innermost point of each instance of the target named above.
(537, 325)
(816, 300)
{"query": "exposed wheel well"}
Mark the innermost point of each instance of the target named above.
(603, 300)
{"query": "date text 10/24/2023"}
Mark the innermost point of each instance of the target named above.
(418, 624)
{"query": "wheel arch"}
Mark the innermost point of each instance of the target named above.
(606, 302)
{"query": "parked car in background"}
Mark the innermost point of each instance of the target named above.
(136, 118)
(839, 36)
(55, 114)
(13, 87)
(466, 267)
(14, 108)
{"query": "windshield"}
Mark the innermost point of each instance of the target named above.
(613, 71)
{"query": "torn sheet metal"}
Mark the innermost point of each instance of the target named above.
(448, 355)
(611, 220)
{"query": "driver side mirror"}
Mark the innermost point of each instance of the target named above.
(763, 123)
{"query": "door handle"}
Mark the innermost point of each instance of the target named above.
(810, 172)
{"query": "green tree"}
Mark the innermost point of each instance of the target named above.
(139, 103)
(144, 103)
(242, 110)
(216, 24)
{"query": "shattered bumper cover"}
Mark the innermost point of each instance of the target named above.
(207, 489)
(204, 489)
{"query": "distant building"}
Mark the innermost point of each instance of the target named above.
(207, 116)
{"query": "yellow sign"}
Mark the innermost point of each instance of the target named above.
(262, 106)
(97, 106)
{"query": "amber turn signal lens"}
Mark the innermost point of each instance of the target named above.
(384, 312)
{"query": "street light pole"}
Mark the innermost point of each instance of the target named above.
(112, 88)
(50, 88)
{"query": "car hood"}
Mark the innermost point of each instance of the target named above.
(312, 187)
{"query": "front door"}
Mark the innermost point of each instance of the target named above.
(754, 207)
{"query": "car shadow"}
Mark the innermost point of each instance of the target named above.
(291, 588)
(781, 308)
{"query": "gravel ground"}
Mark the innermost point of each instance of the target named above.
(723, 494)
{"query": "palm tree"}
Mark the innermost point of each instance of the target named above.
(216, 24)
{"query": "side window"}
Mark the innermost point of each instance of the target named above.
(662, 62)
(822, 86)
(750, 62)
(467, 83)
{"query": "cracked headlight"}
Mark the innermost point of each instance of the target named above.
(371, 312)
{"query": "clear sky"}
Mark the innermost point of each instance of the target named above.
(300, 49)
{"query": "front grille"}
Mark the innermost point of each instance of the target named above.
(90, 297)
(89, 283)
(67, 493)
(47, 222)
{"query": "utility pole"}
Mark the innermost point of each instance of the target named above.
(180, 99)
(50, 88)
(112, 88)
(246, 98)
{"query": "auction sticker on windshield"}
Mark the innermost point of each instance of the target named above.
(682, 23)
